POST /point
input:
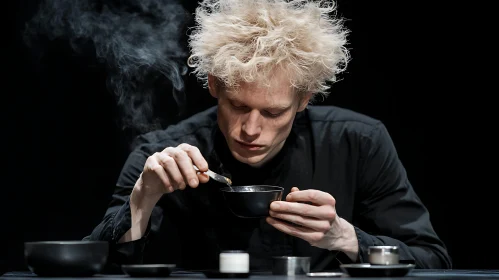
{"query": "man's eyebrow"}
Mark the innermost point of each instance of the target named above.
(278, 107)
(272, 107)
(232, 99)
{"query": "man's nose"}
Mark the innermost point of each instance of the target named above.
(252, 125)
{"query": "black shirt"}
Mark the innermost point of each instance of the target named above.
(347, 154)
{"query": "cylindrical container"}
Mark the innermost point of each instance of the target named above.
(288, 265)
(234, 262)
(383, 255)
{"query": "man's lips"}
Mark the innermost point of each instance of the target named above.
(249, 146)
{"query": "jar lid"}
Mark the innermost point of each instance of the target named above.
(383, 249)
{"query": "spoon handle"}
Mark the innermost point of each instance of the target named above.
(216, 177)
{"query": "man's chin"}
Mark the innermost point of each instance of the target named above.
(253, 160)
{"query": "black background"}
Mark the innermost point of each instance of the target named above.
(64, 148)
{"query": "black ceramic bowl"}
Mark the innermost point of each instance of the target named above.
(66, 258)
(251, 201)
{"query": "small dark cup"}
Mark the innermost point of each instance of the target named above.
(290, 265)
(251, 201)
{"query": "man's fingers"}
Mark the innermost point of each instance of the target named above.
(304, 233)
(325, 212)
(311, 223)
(199, 161)
(152, 165)
(197, 158)
(184, 164)
(293, 189)
(314, 196)
(203, 178)
(172, 170)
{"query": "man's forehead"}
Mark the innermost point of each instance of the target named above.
(273, 96)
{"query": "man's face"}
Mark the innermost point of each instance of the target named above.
(257, 120)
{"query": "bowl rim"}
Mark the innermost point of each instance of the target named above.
(291, 258)
(150, 265)
(273, 189)
(65, 242)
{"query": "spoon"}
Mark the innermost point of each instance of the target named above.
(216, 177)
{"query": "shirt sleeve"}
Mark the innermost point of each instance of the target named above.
(117, 219)
(389, 212)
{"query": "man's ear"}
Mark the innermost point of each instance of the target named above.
(213, 86)
(304, 101)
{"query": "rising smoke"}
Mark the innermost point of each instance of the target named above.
(139, 40)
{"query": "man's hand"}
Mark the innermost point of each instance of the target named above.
(311, 216)
(171, 169)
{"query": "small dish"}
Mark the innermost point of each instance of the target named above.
(148, 270)
(325, 274)
(370, 270)
(218, 274)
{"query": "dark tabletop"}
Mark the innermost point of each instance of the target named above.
(184, 275)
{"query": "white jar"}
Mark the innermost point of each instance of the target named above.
(234, 262)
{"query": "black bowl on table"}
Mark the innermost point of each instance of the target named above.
(251, 201)
(66, 258)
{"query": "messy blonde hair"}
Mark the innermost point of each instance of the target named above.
(247, 40)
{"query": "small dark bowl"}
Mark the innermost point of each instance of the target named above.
(251, 201)
(148, 270)
(66, 258)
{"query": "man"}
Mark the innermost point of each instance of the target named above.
(344, 187)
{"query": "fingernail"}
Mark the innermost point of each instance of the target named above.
(193, 182)
(275, 206)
